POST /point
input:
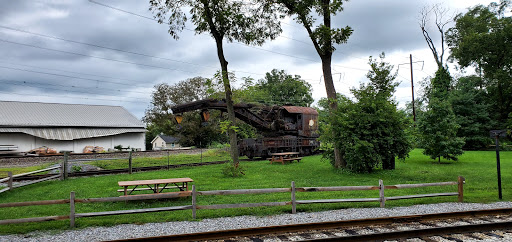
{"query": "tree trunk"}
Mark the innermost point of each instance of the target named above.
(339, 162)
(229, 102)
(388, 163)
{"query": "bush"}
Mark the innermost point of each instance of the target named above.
(217, 145)
(229, 170)
(76, 168)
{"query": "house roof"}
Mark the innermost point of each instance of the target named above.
(303, 110)
(33, 114)
(169, 139)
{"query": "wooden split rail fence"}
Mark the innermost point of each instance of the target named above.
(194, 206)
(62, 175)
(10, 178)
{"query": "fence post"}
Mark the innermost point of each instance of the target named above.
(294, 202)
(130, 163)
(168, 160)
(381, 194)
(461, 180)
(65, 166)
(194, 204)
(9, 182)
(72, 209)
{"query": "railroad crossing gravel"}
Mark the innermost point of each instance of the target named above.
(126, 231)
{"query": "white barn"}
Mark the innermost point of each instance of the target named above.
(69, 127)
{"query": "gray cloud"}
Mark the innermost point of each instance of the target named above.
(389, 26)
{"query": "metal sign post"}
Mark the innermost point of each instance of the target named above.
(496, 135)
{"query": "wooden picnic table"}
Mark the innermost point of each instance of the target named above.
(285, 156)
(157, 186)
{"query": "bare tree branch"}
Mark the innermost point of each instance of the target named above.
(442, 18)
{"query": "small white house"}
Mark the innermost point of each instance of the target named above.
(162, 142)
(69, 127)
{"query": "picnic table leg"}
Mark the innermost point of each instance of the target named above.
(125, 190)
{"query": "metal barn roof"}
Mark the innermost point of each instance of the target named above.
(32, 114)
(71, 133)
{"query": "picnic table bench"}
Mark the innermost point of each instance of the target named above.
(157, 186)
(284, 157)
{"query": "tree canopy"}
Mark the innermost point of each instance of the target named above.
(278, 88)
(159, 118)
(482, 38)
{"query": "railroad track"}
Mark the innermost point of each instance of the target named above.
(489, 225)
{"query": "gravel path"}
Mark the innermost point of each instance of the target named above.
(157, 229)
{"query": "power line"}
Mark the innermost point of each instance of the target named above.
(24, 83)
(97, 57)
(119, 50)
(74, 77)
(102, 47)
(52, 69)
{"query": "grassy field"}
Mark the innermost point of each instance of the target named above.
(479, 169)
(19, 170)
(206, 156)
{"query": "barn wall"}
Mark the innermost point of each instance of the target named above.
(27, 142)
(23, 141)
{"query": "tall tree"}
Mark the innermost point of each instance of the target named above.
(471, 108)
(437, 125)
(324, 39)
(482, 38)
(247, 21)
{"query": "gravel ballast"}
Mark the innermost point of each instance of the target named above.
(126, 231)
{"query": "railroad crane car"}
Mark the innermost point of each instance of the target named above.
(284, 128)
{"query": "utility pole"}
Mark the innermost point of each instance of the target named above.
(412, 89)
(412, 84)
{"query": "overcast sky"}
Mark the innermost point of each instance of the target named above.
(81, 52)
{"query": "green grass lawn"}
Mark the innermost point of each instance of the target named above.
(478, 167)
(19, 170)
(206, 156)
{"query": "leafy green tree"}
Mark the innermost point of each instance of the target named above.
(159, 119)
(370, 130)
(471, 109)
(279, 88)
(482, 38)
(437, 125)
(245, 21)
(324, 39)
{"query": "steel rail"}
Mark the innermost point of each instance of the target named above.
(346, 223)
(418, 233)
